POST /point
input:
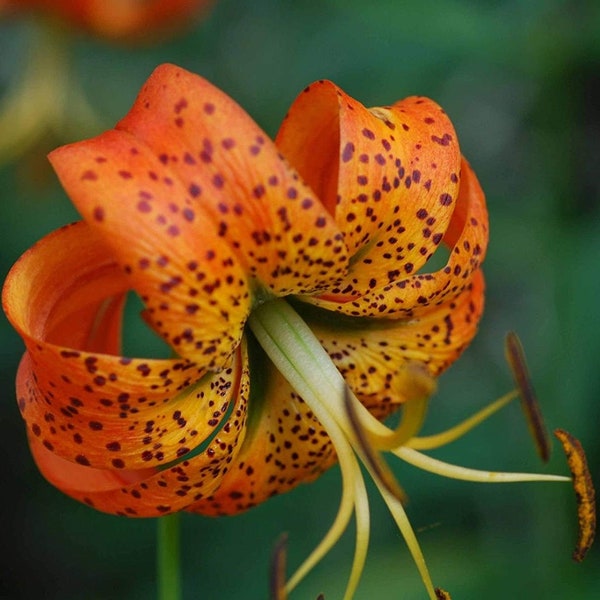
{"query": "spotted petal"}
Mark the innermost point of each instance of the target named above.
(153, 492)
(467, 238)
(373, 354)
(285, 445)
(236, 176)
(82, 401)
(388, 175)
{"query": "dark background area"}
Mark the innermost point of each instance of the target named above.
(521, 82)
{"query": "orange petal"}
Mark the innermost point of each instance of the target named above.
(79, 401)
(418, 294)
(372, 354)
(195, 290)
(150, 492)
(389, 175)
(141, 413)
(285, 445)
(235, 174)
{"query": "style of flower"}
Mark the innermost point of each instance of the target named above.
(290, 281)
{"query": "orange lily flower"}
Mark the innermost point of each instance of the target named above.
(290, 280)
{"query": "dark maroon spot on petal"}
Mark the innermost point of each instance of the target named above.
(442, 141)
(445, 199)
(180, 105)
(348, 152)
(218, 181)
(89, 175)
(368, 134)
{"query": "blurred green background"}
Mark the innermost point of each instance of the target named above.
(521, 82)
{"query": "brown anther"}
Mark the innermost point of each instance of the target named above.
(442, 594)
(278, 560)
(529, 402)
(321, 597)
(380, 471)
(584, 492)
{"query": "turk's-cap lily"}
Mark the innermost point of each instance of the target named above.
(290, 280)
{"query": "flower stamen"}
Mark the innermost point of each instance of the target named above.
(433, 465)
(584, 491)
(529, 402)
(278, 562)
(437, 440)
(374, 462)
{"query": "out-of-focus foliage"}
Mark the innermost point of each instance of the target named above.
(521, 82)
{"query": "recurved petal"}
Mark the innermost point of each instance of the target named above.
(413, 296)
(113, 413)
(285, 445)
(67, 273)
(235, 175)
(375, 356)
(82, 401)
(389, 176)
(195, 290)
(152, 492)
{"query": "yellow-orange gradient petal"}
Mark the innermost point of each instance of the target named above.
(234, 174)
(285, 445)
(153, 492)
(373, 354)
(389, 175)
(410, 297)
(195, 290)
(79, 398)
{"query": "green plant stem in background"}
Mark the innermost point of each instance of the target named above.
(167, 558)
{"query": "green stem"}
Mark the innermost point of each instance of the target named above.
(168, 563)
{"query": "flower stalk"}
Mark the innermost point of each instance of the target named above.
(168, 557)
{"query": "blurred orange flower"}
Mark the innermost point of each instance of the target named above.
(125, 20)
(45, 104)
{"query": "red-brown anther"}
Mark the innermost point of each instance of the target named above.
(584, 491)
(533, 413)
